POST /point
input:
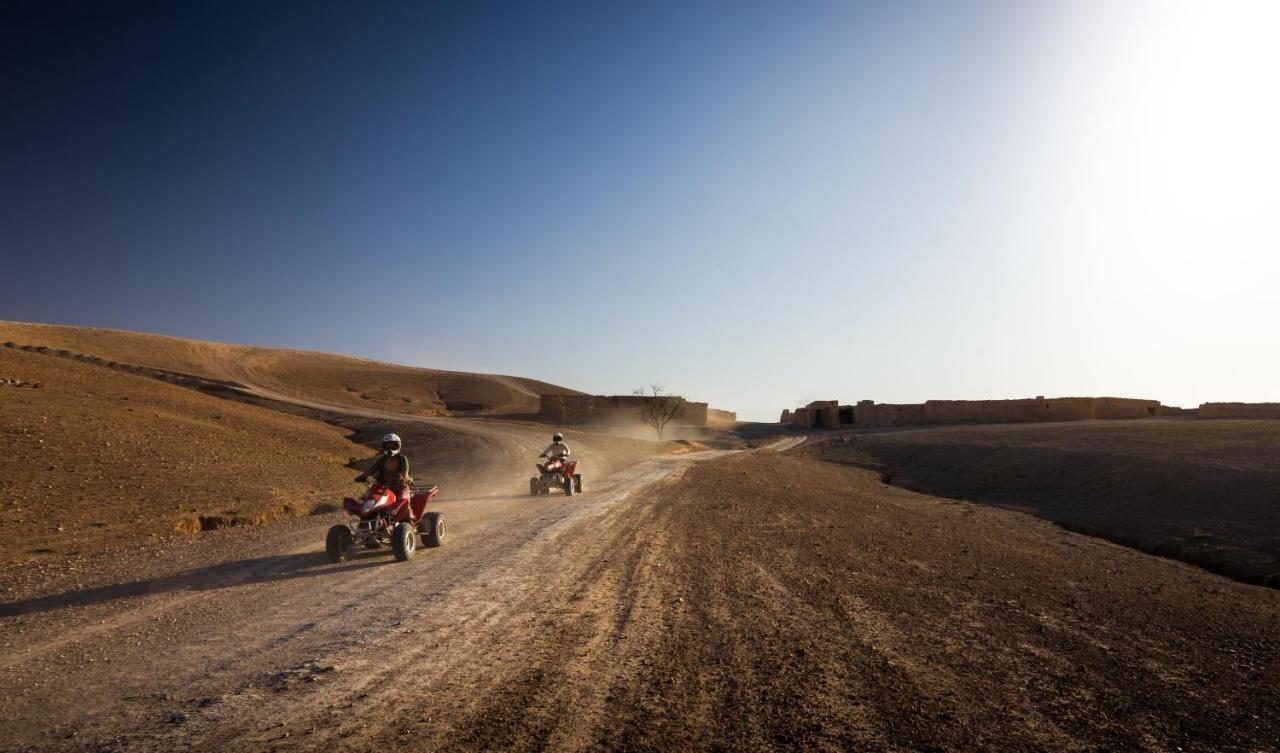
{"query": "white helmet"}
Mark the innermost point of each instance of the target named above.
(391, 439)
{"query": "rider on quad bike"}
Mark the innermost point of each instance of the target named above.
(391, 512)
(391, 469)
(558, 472)
(557, 450)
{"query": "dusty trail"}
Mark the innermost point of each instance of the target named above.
(759, 601)
(143, 634)
(453, 642)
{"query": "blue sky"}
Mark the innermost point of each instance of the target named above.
(752, 204)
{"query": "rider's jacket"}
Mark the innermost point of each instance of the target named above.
(556, 450)
(391, 469)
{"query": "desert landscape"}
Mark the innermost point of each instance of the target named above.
(1201, 491)
(764, 588)
(565, 377)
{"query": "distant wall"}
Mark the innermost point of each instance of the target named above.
(1123, 407)
(1007, 411)
(1240, 410)
(693, 414)
(721, 416)
(868, 413)
(829, 414)
(822, 414)
(825, 413)
(611, 409)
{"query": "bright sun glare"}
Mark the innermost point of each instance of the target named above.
(1167, 125)
(1158, 210)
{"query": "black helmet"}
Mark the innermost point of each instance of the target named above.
(557, 437)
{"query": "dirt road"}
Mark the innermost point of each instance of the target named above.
(179, 641)
(757, 601)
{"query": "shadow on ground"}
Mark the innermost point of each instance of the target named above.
(224, 575)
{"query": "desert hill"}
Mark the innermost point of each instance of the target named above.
(311, 376)
(93, 457)
(102, 443)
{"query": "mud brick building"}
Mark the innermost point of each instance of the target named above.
(830, 414)
(1239, 410)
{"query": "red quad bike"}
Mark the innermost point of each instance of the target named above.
(559, 473)
(381, 519)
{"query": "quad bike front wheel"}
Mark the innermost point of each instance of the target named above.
(404, 540)
(431, 528)
(337, 545)
(533, 487)
(577, 482)
(568, 487)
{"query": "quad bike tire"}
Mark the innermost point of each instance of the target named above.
(404, 541)
(568, 487)
(577, 482)
(533, 487)
(338, 543)
(431, 528)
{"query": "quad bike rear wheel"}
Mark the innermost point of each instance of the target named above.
(431, 528)
(338, 544)
(577, 482)
(404, 540)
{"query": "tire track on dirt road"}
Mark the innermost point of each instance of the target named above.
(212, 632)
(464, 652)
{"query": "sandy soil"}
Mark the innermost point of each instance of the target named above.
(350, 382)
(1196, 490)
(95, 458)
(131, 614)
(757, 601)
(98, 453)
(230, 621)
(691, 599)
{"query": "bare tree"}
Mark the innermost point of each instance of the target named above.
(660, 408)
